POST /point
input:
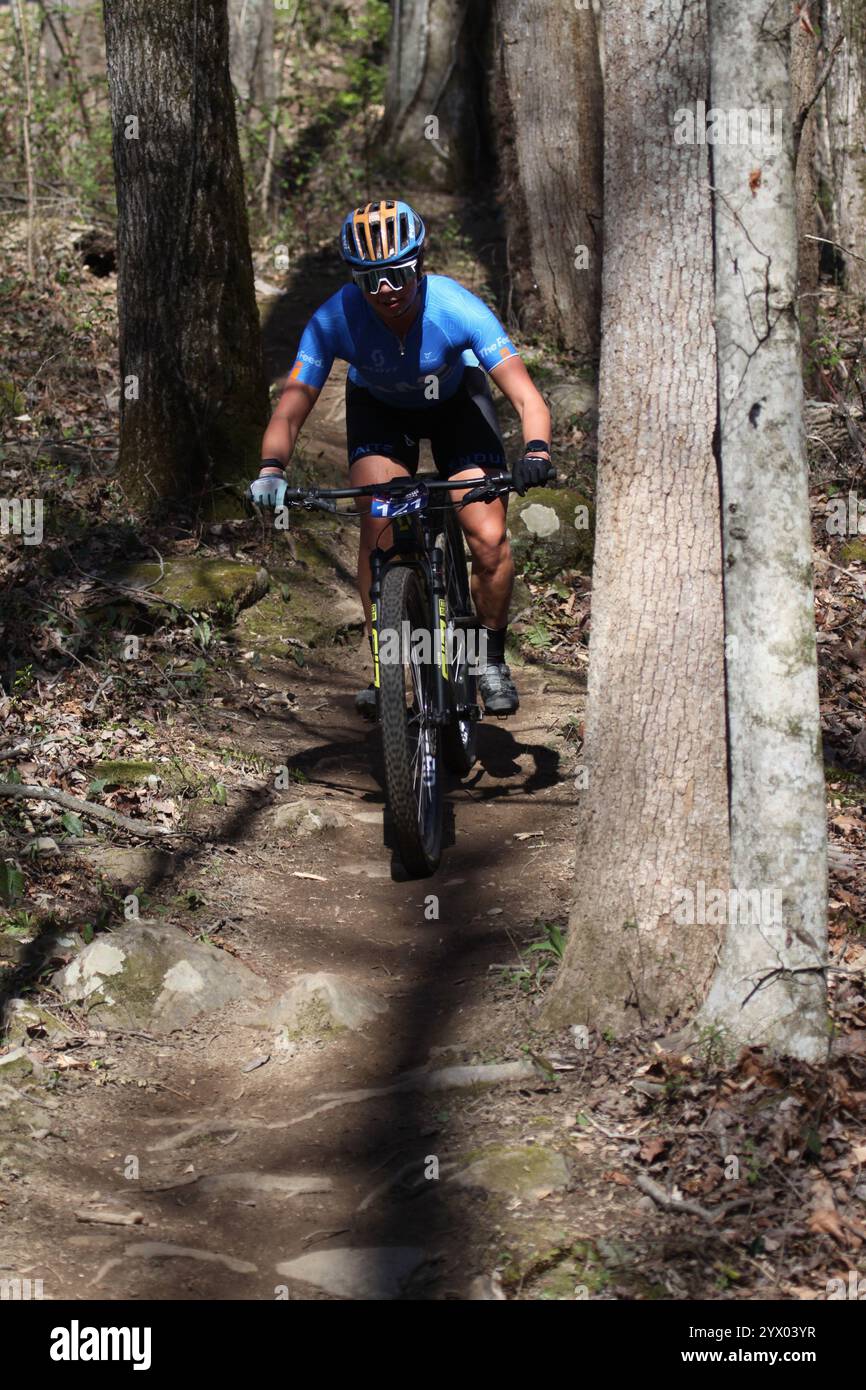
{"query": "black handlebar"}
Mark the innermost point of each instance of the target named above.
(485, 489)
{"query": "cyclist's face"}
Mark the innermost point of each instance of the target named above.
(392, 304)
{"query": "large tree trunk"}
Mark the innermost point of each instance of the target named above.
(434, 122)
(770, 986)
(194, 400)
(846, 121)
(548, 111)
(652, 821)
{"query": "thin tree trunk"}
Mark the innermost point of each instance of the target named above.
(804, 72)
(194, 400)
(274, 118)
(434, 122)
(653, 818)
(846, 120)
(19, 20)
(62, 60)
(251, 53)
(769, 987)
(548, 111)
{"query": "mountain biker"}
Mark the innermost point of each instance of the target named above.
(413, 342)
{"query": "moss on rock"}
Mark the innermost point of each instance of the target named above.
(525, 1171)
(854, 550)
(117, 773)
(551, 531)
(198, 584)
(302, 607)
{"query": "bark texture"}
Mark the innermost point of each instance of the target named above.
(189, 328)
(653, 818)
(549, 119)
(846, 123)
(769, 988)
(434, 122)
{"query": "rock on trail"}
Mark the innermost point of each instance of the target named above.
(151, 976)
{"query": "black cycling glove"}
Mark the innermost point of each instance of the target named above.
(530, 472)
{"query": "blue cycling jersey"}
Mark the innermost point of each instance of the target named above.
(453, 330)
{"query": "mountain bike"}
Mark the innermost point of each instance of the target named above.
(422, 617)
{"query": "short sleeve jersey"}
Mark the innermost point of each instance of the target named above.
(453, 330)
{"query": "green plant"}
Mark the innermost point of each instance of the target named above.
(547, 951)
(202, 630)
(752, 1164)
(11, 882)
(539, 637)
(23, 679)
(726, 1277)
(217, 793)
(569, 729)
(20, 924)
(673, 1086)
(712, 1045)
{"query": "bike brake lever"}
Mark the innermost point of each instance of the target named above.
(483, 493)
(319, 504)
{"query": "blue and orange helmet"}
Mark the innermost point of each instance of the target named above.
(380, 234)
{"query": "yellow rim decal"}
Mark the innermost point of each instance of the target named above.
(375, 647)
(442, 631)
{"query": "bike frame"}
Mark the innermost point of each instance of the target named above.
(414, 544)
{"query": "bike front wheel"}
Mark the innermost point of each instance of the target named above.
(410, 738)
(460, 734)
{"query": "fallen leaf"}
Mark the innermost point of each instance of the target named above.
(653, 1149)
(825, 1218)
(616, 1176)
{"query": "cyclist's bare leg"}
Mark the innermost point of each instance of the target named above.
(492, 579)
(372, 468)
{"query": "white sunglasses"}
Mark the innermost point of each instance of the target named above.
(396, 277)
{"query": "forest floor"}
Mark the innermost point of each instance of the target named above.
(439, 1146)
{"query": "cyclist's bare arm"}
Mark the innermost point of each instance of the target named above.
(294, 406)
(517, 386)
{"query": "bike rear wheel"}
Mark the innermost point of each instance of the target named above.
(410, 738)
(459, 737)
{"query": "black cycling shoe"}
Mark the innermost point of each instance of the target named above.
(365, 702)
(497, 689)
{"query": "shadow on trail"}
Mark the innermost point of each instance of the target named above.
(378, 1150)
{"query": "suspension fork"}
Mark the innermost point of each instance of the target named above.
(375, 596)
(438, 635)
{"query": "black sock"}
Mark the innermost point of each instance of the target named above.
(495, 639)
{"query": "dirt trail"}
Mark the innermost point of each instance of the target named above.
(189, 1110)
(175, 1110)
